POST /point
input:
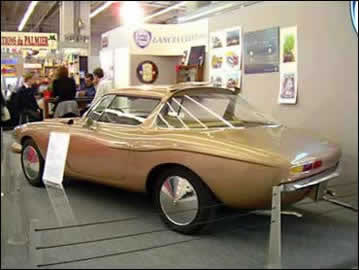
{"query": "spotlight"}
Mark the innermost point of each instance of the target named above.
(131, 13)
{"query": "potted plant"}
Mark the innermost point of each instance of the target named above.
(288, 49)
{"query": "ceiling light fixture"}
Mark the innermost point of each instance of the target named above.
(101, 8)
(109, 3)
(206, 12)
(27, 15)
(176, 6)
(131, 13)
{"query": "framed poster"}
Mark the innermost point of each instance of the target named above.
(225, 57)
(147, 72)
(261, 51)
(288, 66)
(196, 55)
(288, 88)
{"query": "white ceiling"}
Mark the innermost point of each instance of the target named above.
(45, 17)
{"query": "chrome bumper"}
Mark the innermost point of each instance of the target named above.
(313, 180)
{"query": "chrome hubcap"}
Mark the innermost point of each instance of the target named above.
(179, 200)
(31, 162)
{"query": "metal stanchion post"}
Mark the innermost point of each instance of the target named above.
(17, 235)
(275, 244)
(60, 205)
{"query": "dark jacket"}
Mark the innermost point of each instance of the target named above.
(64, 89)
(26, 105)
(3, 104)
(25, 100)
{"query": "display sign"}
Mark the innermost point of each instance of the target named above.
(147, 72)
(261, 51)
(9, 61)
(167, 40)
(56, 158)
(225, 58)
(288, 66)
(354, 14)
(8, 70)
(34, 41)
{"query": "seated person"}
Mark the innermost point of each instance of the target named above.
(90, 90)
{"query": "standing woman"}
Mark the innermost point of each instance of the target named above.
(64, 88)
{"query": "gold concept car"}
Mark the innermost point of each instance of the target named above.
(191, 147)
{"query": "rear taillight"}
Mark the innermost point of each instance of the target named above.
(317, 164)
(306, 167)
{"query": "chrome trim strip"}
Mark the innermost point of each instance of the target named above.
(313, 180)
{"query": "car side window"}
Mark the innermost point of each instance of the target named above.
(193, 112)
(129, 110)
(172, 114)
(100, 107)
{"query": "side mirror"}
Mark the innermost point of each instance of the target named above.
(70, 122)
(89, 122)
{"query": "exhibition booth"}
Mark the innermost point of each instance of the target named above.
(184, 167)
(168, 54)
(150, 53)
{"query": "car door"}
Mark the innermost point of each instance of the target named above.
(95, 151)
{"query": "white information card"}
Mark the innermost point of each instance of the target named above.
(56, 158)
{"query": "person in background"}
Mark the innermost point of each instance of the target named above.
(27, 106)
(90, 90)
(102, 86)
(36, 84)
(44, 85)
(64, 88)
(52, 78)
(5, 115)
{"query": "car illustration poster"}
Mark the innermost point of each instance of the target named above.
(261, 51)
(217, 40)
(288, 66)
(225, 58)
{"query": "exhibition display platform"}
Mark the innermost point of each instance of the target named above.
(93, 226)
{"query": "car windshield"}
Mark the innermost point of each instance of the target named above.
(207, 110)
(127, 110)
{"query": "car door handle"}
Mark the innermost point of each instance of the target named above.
(92, 128)
(120, 145)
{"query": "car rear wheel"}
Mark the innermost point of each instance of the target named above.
(32, 163)
(184, 202)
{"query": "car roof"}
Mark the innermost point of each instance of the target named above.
(161, 91)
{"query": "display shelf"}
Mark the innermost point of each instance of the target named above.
(189, 73)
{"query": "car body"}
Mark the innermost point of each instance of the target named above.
(193, 133)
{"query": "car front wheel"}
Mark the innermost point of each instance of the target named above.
(32, 163)
(184, 202)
